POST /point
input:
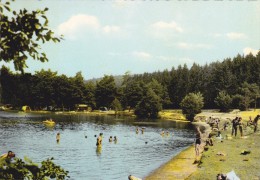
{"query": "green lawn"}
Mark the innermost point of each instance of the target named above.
(245, 166)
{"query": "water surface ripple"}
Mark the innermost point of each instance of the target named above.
(137, 154)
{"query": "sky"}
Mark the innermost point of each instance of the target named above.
(112, 37)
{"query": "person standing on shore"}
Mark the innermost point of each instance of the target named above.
(234, 126)
(256, 122)
(240, 126)
(197, 142)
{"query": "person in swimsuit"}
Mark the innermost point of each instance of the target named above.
(58, 137)
(99, 140)
(198, 142)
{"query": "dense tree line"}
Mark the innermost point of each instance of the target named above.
(232, 83)
(238, 78)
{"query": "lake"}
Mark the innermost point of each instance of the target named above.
(136, 154)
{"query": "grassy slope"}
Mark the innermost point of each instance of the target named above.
(245, 166)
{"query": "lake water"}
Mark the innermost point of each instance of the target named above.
(136, 154)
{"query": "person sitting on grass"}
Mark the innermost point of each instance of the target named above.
(250, 122)
(209, 140)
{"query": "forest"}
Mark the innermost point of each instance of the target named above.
(231, 83)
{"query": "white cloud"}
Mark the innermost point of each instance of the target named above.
(161, 25)
(111, 29)
(249, 50)
(230, 35)
(183, 45)
(236, 36)
(166, 58)
(165, 30)
(77, 26)
(142, 55)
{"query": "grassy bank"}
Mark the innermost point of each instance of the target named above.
(245, 166)
(226, 156)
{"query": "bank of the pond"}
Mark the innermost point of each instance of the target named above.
(240, 155)
(180, 167)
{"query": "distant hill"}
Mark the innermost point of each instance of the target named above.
(118, 80)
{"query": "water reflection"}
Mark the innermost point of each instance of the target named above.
(77, 152)
(99, 150)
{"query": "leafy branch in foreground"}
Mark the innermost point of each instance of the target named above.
(22, 32)
(20, 169)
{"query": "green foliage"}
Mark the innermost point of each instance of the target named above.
(20, 169)
(149, 106)
(250, 93)
(238, 77)
(21, 32)
(89, 92)
(223, 101)
(105, 91)
(237, 102)
(192, 105)
(132, 93)
(116, 105)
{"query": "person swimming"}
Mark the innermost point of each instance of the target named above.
(115, 139)
(99, 140)
(162, 133)
(142, 129)
(58, 137)
(110, 139)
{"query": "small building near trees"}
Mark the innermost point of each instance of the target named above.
(81, 107)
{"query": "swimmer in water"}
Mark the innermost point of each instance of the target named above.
(110, 139)
(58, 137)
(115, 139)
(162, 133)
(143, 130)
(99, 140)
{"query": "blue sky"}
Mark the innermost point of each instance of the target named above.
(113, 37)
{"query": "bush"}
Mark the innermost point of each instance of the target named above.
(223, 101)
(20, 169)
(191, 105)
(149, 106)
